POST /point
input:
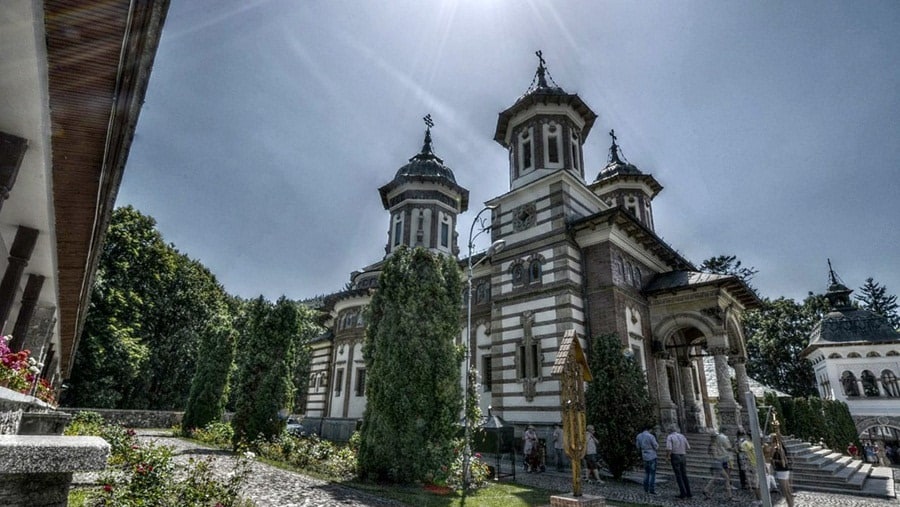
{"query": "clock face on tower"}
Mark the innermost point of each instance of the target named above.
(524, 217)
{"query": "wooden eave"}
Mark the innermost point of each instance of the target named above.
(99, 57)
(531, 99)
(628, 224)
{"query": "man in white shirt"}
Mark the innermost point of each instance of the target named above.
(677, 446)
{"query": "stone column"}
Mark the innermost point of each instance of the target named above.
(740, 371)
(729, 410)
(666, 405)
(691, 407)
(743, 386)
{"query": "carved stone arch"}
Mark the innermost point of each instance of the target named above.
(667, 327)
(734, 332)
(864, 424)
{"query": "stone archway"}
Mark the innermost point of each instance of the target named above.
(680, 343)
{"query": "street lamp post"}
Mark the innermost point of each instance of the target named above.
(495, 247)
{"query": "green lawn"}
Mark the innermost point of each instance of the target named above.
(495, 495)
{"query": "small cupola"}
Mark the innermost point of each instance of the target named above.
(621, 183)
(424, 201)
(544, 130)
(838, 294)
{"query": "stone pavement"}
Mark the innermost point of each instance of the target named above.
(269, 486)
(632, 491)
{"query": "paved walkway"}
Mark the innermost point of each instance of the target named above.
(631, 491)
(269, 486)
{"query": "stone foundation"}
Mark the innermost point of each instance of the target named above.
(36, 470)
(577, 501)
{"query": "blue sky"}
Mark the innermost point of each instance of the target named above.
(268, 126)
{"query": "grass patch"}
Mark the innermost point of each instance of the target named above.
(495, 495)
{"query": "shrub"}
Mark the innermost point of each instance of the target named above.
(216, 433)
(145, 475)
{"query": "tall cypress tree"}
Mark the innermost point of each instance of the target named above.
(413, 390)
(209, 385)
(618, 403)
(265, 369)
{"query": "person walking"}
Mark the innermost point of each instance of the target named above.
(529, 441)
(557, 437)
(590, 454)
(677, 446)
(747, 455)
(720, 449)
(647, 444)
(782, 466)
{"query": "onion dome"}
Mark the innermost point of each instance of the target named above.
(425, 168)
(619, 169)
(616, 164)
(543, 90)
(425, 165)
(845, 323)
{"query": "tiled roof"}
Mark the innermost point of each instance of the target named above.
(712, 388)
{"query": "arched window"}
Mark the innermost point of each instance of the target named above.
(534, 271)
(834, 355)
(482, 293)
(893, 353)
(526, 152)
(518, 274)
(889, 382)
(629, 276)
(873, 354)
(638, 279)
(848, 382)
(553, 145)
(854, 354)
(870, 385)
(576, 162)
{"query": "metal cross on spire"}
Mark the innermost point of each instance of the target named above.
(428, 121)
(614, 149)
(541, 71)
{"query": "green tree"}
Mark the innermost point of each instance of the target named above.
(308, 329)
(618, 403)
(729, 265)
(209, 387)
(413, 390)
(776, 335)
(110, 364)
(875, 298)
(265, 369)
(149, 307)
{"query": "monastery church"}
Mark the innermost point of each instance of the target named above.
(581, 253)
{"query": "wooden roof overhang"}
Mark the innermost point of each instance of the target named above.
(646, 238)
(99, 57)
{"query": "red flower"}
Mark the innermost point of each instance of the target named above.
(107, 488)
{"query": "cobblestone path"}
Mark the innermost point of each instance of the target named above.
(269, 486)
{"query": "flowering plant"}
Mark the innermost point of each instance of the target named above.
(21, 372)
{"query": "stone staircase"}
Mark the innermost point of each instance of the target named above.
(815, 468)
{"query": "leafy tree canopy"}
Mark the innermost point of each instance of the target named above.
(149, 306)
(776, 335)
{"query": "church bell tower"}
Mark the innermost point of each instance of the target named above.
(544, 130)
(424, 202)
